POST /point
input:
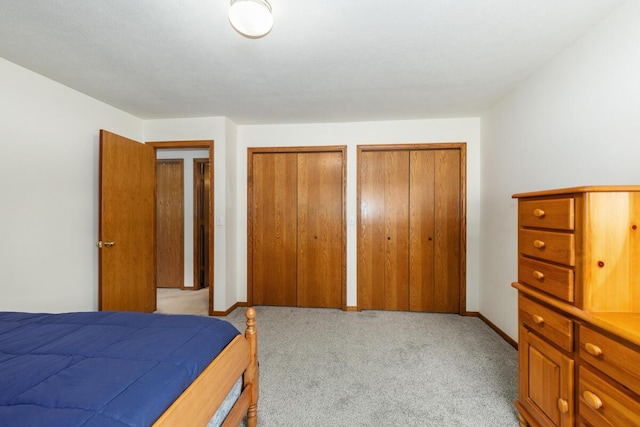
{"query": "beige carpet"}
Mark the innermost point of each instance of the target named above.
(178, 301)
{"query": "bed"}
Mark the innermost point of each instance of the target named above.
(126, 369)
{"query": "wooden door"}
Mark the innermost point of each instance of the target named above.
(320, 219)
(434, 271)
(447, 219)
(274, 229)
(383, 233)
(201, 196)
(410, 227)
(127, 225)
(170, 223)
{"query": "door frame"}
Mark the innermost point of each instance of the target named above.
(311, 149)
(208, 144)
(462, 147)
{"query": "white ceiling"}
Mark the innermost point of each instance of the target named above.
(324, 60)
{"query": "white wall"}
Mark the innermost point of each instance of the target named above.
(49, 139)
(352, 135)
(576, 122)
(187, 156)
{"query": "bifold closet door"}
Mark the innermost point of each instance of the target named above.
(274, 215)
(434, 269)
(409, 230)
(383, 240)
(320, 229)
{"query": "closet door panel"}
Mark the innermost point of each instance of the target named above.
(447, 231)
(396, 213)
(320, 229)
(371, 230)
(274, 200)
(421, 229)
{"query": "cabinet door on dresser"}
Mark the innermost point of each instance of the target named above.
(546, 381)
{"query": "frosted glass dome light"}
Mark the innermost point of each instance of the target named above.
(251, 18)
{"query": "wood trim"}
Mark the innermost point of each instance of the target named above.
(462, 147)
(201, 143)
(463, 228)
(311, 149)
(497, 330)
(230, 309)
(418, 146)
(249, 255)
(209, 144)
(351, 308)
(301, 149)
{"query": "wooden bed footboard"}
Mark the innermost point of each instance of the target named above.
(199, 402)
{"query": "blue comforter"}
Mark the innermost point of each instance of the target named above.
(100, 368)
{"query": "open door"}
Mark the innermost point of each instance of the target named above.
(127, 225)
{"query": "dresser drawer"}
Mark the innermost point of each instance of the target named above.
(619, 361)
(547, 213)
(554, 280)
(603, 404)
(548, 245)
(549, 323)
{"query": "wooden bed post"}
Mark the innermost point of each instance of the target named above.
(251, 374)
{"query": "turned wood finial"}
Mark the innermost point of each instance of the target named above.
(250, 314)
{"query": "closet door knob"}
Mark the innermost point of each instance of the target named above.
(538, 244)
(539, 213)
(563, 406)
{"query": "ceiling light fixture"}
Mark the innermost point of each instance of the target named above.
(251, 18)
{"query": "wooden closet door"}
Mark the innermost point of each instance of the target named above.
(421, 230)
(447, 235)
(320, 229)
(274, 213)
(435, 231)
(383, 240)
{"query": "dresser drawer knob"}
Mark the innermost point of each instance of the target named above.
(592, 400)
(538, 244)
(539, 213)
(539, 275)
(593, 349)
(563, 406)
(537, 319)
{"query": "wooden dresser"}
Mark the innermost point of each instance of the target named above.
(579, 307)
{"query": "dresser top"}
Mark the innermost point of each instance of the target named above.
(585, 189)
